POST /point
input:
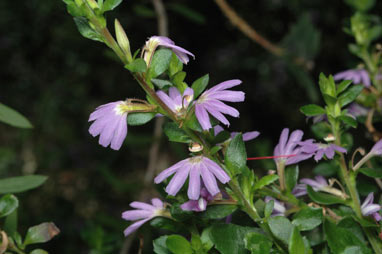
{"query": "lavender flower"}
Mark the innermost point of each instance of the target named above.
(153, 42)
(377, 148)
(355, 110)
(198, 205)
(211, 102)
(247, 136)
(299, 190)
(291, 147)
(320, 149)
(278, 207)
(143, 213)
(195, 167)
(318, 184)
(358, 76)
(368, 208)
(177, 102)
(110, 123)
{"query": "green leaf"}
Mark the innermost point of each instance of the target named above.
(178, 244)
(160, 63)
(8, 204)
(291, 177)
(85, 30)
(160, 246)
(41, 233)
(269, 208)
(10, 224)
(323, 198)
(21, 183)
(264, 181)
(218, 211)
(39, 251)
(347, 120)
(257, 243)
(361, 5)
(134, 119)
(167, 224)
(308, 218)
(296, 243)
(327, 85)
(161, 84)
(175, 134)
(178, 79)
(281, 228)
(13, 118)
(199, 85)
(138, 65)
(343, 85)
(109, 5)
(329, 100)
(340, 238)
(229, 238)
(73, 9)
(350, 95)
(175, 65)
(372, 172)
(326, 169)
(352, 250)
(193, 123)
(236, 155)
(206, 239)
(312, 110)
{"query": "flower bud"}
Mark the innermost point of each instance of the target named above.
(122, 40)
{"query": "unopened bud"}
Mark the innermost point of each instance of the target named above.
(93, 4)
(330, 138)
(122, 40)
(195, 147)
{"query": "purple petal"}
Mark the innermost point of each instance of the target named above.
(319, 155)
(216, 170)
(167, 100)
(217, 129)
(295, 137)
(136, 214)
(329, 152)
(365, 78)
(377, 148)
(192, 205)
(142, 206)
(231, 96)
(133, 227)
(177, 181)
(250, 135)
(370, 209)
(157, 203)
(202, 116)
(368, 200)
(119, 133)
(220, 106)
(219, 116)
(283, 140)
(169, 171)
(225, 85)
(194, 183)
(209, 180)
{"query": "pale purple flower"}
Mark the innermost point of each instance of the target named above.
(377, 148)
(194, 167)
(318, 184)
(355, 110)
(278, 207)
(143, 212)
(358, 76)
(177, 102)
(368, 208)
(288, 145)
(299, 190)
(198, 205)
(319, 149)
(153, 42)
(247, 136)
(210, 102)
(110, 123)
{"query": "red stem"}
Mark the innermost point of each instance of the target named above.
(270, 157)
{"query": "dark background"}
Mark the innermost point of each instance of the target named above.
(56, 78)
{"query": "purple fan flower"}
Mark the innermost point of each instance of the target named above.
(110, 123)
(368, 208)
(358, 76)
(377, 148)
(153, 42)
(318, 184)
(198, 205)
(288, 145)
(143, 213)
(175, 101)
(211, 102)
(299, 190)
(320, 149)
(247, 136)
(194, 167)
(278, 207)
